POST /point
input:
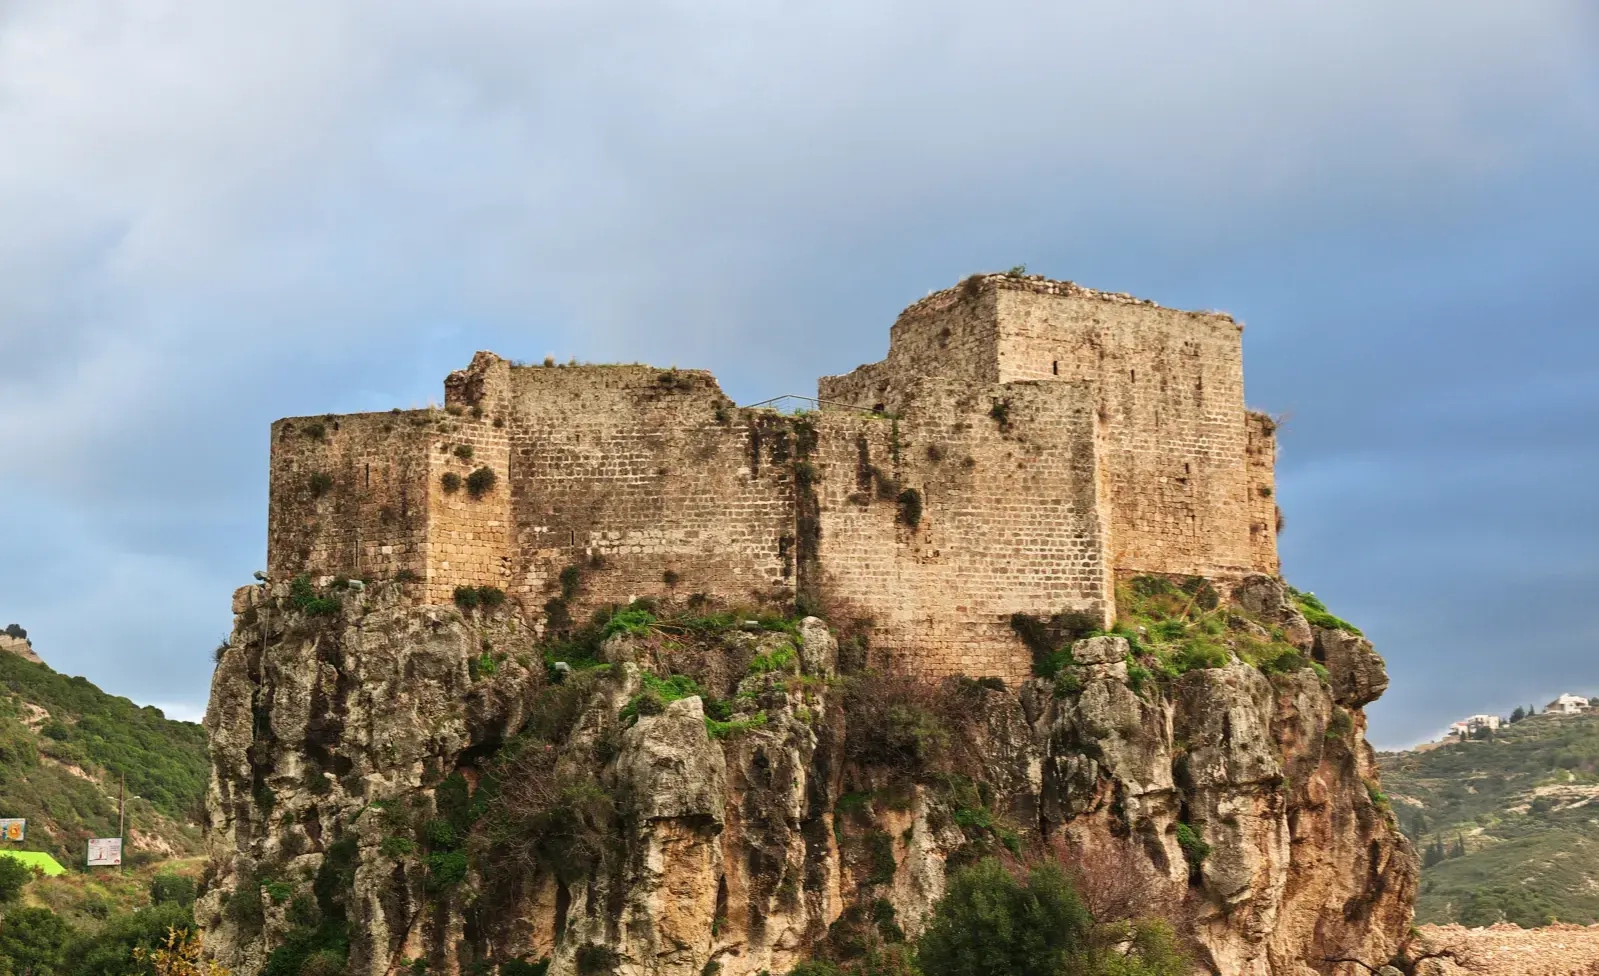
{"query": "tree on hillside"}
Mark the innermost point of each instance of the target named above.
(1434, 853)
(1517, 715)
(13, 875)
(33, 940)
(12, 630)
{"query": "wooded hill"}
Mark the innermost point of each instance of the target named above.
(64, 744)
(1507, 825)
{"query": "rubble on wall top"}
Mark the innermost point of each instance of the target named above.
(1037, 284)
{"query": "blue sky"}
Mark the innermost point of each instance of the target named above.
(215, 215)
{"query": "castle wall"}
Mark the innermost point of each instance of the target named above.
(950, 336)
(469, 539)
(1261, 455)
(631, 472)
(1171, 398)
(348, 495)
(1053, 436)
(1009, 523)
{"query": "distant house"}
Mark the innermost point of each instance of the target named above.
(1468, 727)
(1567, 705)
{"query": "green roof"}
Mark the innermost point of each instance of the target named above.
(37, 859)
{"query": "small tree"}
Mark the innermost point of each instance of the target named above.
(174, 888)
(34, 941)
(13, 875)
(990, 924)
(1517, 715)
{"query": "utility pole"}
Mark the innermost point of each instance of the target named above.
(122, 817)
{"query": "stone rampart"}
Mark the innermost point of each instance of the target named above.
(1022, 443)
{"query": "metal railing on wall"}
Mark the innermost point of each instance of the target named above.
(795, 403)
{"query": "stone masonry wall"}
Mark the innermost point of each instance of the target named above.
(1261, 453)
(348, 495)
(1171, 403)
(470, 539)
(632, 473)
(1052, 436)
(950, 336)
(1009, 523)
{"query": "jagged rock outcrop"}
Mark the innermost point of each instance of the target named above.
(21, 647)
(407, 778)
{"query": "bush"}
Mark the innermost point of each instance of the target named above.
(468, 597)
(303, 597)
(320, 483)
(13, 875)
(464, 451)
(1317, 613)
(657, 694)
(1195, 850)
(480, 482)
(450, 482)
(548, 814)
(445, 868)
(910, 508)
(397, 846)
(571, 577)
(896, 722)
(781, 659)
(990, 924)
(632, 621)
(593, 960)
(999, 412)
(173, 889)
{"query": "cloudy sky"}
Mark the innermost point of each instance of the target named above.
(213, 215)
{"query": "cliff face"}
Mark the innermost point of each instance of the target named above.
(409, 786)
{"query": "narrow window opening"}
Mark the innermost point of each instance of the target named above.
(1132, 374)
(1054, 367)
(369, 475)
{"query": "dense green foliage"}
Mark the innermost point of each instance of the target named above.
(80, 926)
(994, 922)
(990, 924)
(1505, 823)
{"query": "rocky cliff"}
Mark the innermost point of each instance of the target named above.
(682, 790)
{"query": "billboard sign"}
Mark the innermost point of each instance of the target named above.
(13, 828)
(105, 851)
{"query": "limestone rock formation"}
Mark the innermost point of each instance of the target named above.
(408, 787)
(20, 646)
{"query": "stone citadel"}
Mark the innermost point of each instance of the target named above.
(1024, 443)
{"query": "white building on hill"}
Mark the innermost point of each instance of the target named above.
(1467, 727)
(1567, 705)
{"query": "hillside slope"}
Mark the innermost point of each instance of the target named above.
(64, 744)
(1512, 823)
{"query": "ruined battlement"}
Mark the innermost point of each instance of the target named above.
(1023, 442)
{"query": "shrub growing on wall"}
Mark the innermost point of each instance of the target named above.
(480, 482)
